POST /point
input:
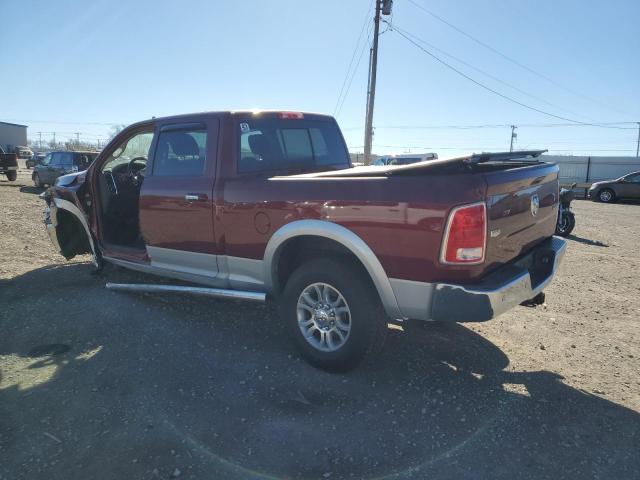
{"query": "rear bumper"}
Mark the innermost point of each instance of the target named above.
(498, 292)
(7, 169)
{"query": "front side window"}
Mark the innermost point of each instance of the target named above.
(634, 178)
(133, 148)
(46, 160)
(180, 153)
(282, 144)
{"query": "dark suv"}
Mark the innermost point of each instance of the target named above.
(56, 164)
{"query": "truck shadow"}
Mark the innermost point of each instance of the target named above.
(151, 383)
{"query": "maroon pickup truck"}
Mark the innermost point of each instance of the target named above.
(267, 205)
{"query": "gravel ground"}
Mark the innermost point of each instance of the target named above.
(98, 384)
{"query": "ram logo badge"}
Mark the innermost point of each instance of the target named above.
(535, 204)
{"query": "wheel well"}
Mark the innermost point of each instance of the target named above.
(72, 236)
(296, 251)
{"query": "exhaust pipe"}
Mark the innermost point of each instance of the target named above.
(203, 291)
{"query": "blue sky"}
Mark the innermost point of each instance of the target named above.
(82, 65)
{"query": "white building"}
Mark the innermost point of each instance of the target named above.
(12, 135)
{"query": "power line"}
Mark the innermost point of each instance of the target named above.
(57, 122)
(497, 125)
(427, 147)
(512, 60)
(493, 77)
(482, 85)
(353, 56)
(353, 73)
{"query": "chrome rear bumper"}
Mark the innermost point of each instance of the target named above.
(501, 290)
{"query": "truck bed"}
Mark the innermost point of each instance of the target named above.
(415, 200)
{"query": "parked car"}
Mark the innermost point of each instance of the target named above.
(626, 187)
(8, 165)
(23, 153)
(267, 206)
(55, 164)
(35, 159)
(404, 159)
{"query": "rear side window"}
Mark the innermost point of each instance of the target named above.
(83, 160)
(281, 144)
(65, 159)
(180, 153)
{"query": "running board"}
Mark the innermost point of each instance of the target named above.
(207, 292)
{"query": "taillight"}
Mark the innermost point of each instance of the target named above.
(465, 236)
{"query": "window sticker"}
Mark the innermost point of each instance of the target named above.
(244, 127)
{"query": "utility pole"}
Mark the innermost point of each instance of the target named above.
(39, 140)
(382, 7)
(77, 139)
(513, 135)
(54, 140)
(638, 144)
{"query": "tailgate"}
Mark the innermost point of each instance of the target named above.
(521, 210)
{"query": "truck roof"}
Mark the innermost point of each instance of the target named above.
(240, 113)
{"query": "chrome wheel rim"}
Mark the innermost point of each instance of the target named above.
(605, 196)
(324, 317)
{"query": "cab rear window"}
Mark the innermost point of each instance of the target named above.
(282, 144)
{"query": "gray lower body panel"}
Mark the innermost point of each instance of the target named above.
(503, 289)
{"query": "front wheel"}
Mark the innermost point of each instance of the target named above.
(12, 176)
(333, 314)
(36, 181)
(566, 224)
(606, 196)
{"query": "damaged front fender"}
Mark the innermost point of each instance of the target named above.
(68, 229)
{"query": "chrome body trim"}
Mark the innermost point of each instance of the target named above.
(234, 272)
(242, 272)
(212, 281)
(209, 292)
(414, 298)
(342, 235)
(192, 263)
(515, 285)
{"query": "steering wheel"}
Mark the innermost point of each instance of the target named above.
(140, 171)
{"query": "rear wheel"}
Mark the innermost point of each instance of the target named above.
(566, 224)
(12, 176)
(606, 195)
(333, 314)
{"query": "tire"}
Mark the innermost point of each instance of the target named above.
(606, 195)
(36, 180)
(566, 224)
(12, 176)
(351, 336)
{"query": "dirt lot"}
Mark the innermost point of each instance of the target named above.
(97, 384)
